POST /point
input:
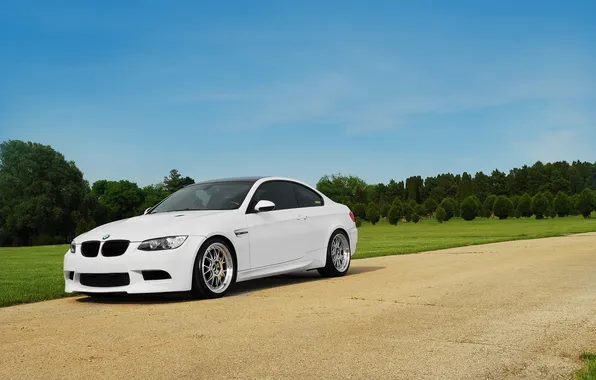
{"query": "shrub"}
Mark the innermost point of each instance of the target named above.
(552, 212)
(515, 201)
(540, 206)
(418, 210)
(372, 213)
(415, 217)
(469, 209)
(449, 206)
(360, 210)
(517, 213)
(407, 211)
(430, 205)
(502, 207)
(585, 204)
(525, 205)
(487, 207)
(394, 214)
(385, 210)
(549, 196)
(574, 205)
(477, 202)
(456, 208)
(561, 204)
(358, 222)
(441, 214)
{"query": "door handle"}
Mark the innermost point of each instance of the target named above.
(301, 217)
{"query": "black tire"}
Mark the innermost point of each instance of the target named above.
(329, 270)
(200, 289)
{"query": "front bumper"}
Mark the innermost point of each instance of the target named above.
(178, 263)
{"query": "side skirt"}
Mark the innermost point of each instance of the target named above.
(275, 270)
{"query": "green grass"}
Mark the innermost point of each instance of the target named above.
(589, 370)
(30, 274)
(384, 239)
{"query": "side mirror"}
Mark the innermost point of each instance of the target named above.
(147, 210)
(264, 205)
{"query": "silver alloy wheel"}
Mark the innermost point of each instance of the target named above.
(340, 252)
(217, 267)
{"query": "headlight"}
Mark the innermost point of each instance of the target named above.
(73, 248)
(159, 244)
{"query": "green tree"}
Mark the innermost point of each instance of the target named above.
(152, 195)
(418, 211)
(585, 203)
(395, 213)
(540, 206)
(448, 205)
(469, 208)
(552, 212)
(360, 210)
(561, 204)
(372, 213)
(174, 181)
(385, 210)
(441, 214)
(414, 188)
(574, 205)
(430, 205)
(40, 192)
(415, 217)
(549, 197)
(502, 207)
(525, 205)
(407, 211)
(120, 199)
(488, 205)
(515, 201)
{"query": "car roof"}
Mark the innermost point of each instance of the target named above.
(250, 179)
(233, 179)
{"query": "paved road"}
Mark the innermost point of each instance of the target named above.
(512, 310)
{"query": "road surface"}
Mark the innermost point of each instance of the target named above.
(513, 310)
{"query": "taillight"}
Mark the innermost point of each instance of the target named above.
(352, 216)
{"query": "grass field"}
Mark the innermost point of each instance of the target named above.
(589, 371)
(30, 274)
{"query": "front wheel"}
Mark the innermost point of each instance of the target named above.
(214, 270)
(339, 256)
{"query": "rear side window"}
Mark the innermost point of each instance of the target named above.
(278, 192)
(307, 197)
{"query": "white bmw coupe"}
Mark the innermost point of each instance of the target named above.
(209, 235)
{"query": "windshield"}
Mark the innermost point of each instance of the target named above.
(206, 196)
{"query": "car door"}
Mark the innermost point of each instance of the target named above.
(316, 219)
(275, 236)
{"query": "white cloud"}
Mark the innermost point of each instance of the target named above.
(368, 94)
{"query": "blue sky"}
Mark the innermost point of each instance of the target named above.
(378, 89)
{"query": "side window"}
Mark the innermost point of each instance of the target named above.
(278, 192)
(307, 197)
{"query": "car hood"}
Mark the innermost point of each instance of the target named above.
(150, 226)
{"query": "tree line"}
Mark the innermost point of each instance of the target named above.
(44, 198)
(541, 190)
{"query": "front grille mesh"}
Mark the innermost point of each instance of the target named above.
(104, 280)
(114, 248)
(90, 248)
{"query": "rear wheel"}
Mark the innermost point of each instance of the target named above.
(339, 255)
(214, 269)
